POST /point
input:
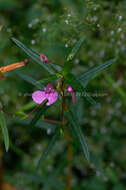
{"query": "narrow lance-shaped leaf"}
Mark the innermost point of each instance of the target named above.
(47, 79)
(49, 147)
(117, 88)
(78, 132)
(30, 80)
(41, 110)
(91, 100)
(57, 67)
(35, 56)
(32, 177)
(68, 63)
(95, 161)
(4, 130)
(27, 107)
(89, 75)
(16, 149)
(75, 49)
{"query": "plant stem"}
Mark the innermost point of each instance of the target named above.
(51, 121)
(69, 151)
(69, 157)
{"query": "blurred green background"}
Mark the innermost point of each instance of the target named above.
(53, 27)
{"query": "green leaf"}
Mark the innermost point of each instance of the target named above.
(8, 5)
(75, 49)
(31, 177)
(16, 149)
(55, 66)
(30, 80)
(47, 80)
(52, 181)
(41, 110)
(75, 126)
(96, 162)
(115, 87)
(34, 56)
(91, 100)
(40, 124)
(26, 107)
(68, 63)
(49, 147)
(4, 130)
(89, 75)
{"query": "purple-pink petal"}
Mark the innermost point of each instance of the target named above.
(73, 98)
(39, 96)
(49, 88)
(52, 97)
(69, 89)
(45, 58)
(49, 93)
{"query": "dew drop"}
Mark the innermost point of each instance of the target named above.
(112, 32)
(103, 130)
(67, 21)
(94, 8)
(76, 61)
(119, 42)
(112, 164)
(32, 42)
(30, 25)
(36, 20)
(98, 173)
(105, 179)
(69, 15)
(120, 18)
(119, 30)
(95, 18)
(43, 30)
(66, 46)
(98, 25)
(49, 131)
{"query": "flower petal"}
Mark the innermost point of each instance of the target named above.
(69, 89)
(39, 96)
(52, 97)
(42, 56)
(49, 88)
(73, 98)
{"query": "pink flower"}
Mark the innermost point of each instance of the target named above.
(43, 57)
(70, 90)
(49, 93)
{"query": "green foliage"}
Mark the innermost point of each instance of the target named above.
(47, 79)
(75, 49)
(75, 83)
(41, 110)
(33, 55)
(78, 132)
(30, 80)
(75, 36)
(89, 75)
(68, 63)
(4, 130)
(49, 147)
